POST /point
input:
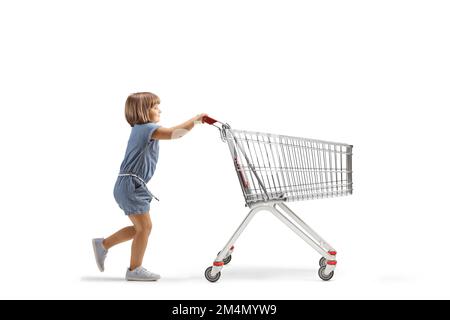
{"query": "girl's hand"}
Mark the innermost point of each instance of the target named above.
(199, 118)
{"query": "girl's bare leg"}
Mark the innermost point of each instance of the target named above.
(120, 236)
(142, 227)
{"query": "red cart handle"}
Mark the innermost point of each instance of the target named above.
(209, 120)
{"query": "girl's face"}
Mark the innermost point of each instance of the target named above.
(155, 113)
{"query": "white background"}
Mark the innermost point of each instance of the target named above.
(374, 74)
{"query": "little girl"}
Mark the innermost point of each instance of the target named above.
(130, 191)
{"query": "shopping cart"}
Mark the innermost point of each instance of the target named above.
(275, 169)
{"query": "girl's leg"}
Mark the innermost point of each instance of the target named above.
(143, 227)
(120, 236)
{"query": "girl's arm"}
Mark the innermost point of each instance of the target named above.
(177, 131)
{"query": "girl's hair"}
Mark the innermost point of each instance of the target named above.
(138, 105)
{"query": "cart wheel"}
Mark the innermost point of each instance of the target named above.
(209, 277)
(226, 260)
(323, 262)
(322, 274)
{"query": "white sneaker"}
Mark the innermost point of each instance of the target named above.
(100, 253)
(141, 274)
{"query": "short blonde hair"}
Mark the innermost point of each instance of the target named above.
(138, 105)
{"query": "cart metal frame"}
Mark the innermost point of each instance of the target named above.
(275, 169)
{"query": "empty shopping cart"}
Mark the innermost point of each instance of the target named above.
(275, 169)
